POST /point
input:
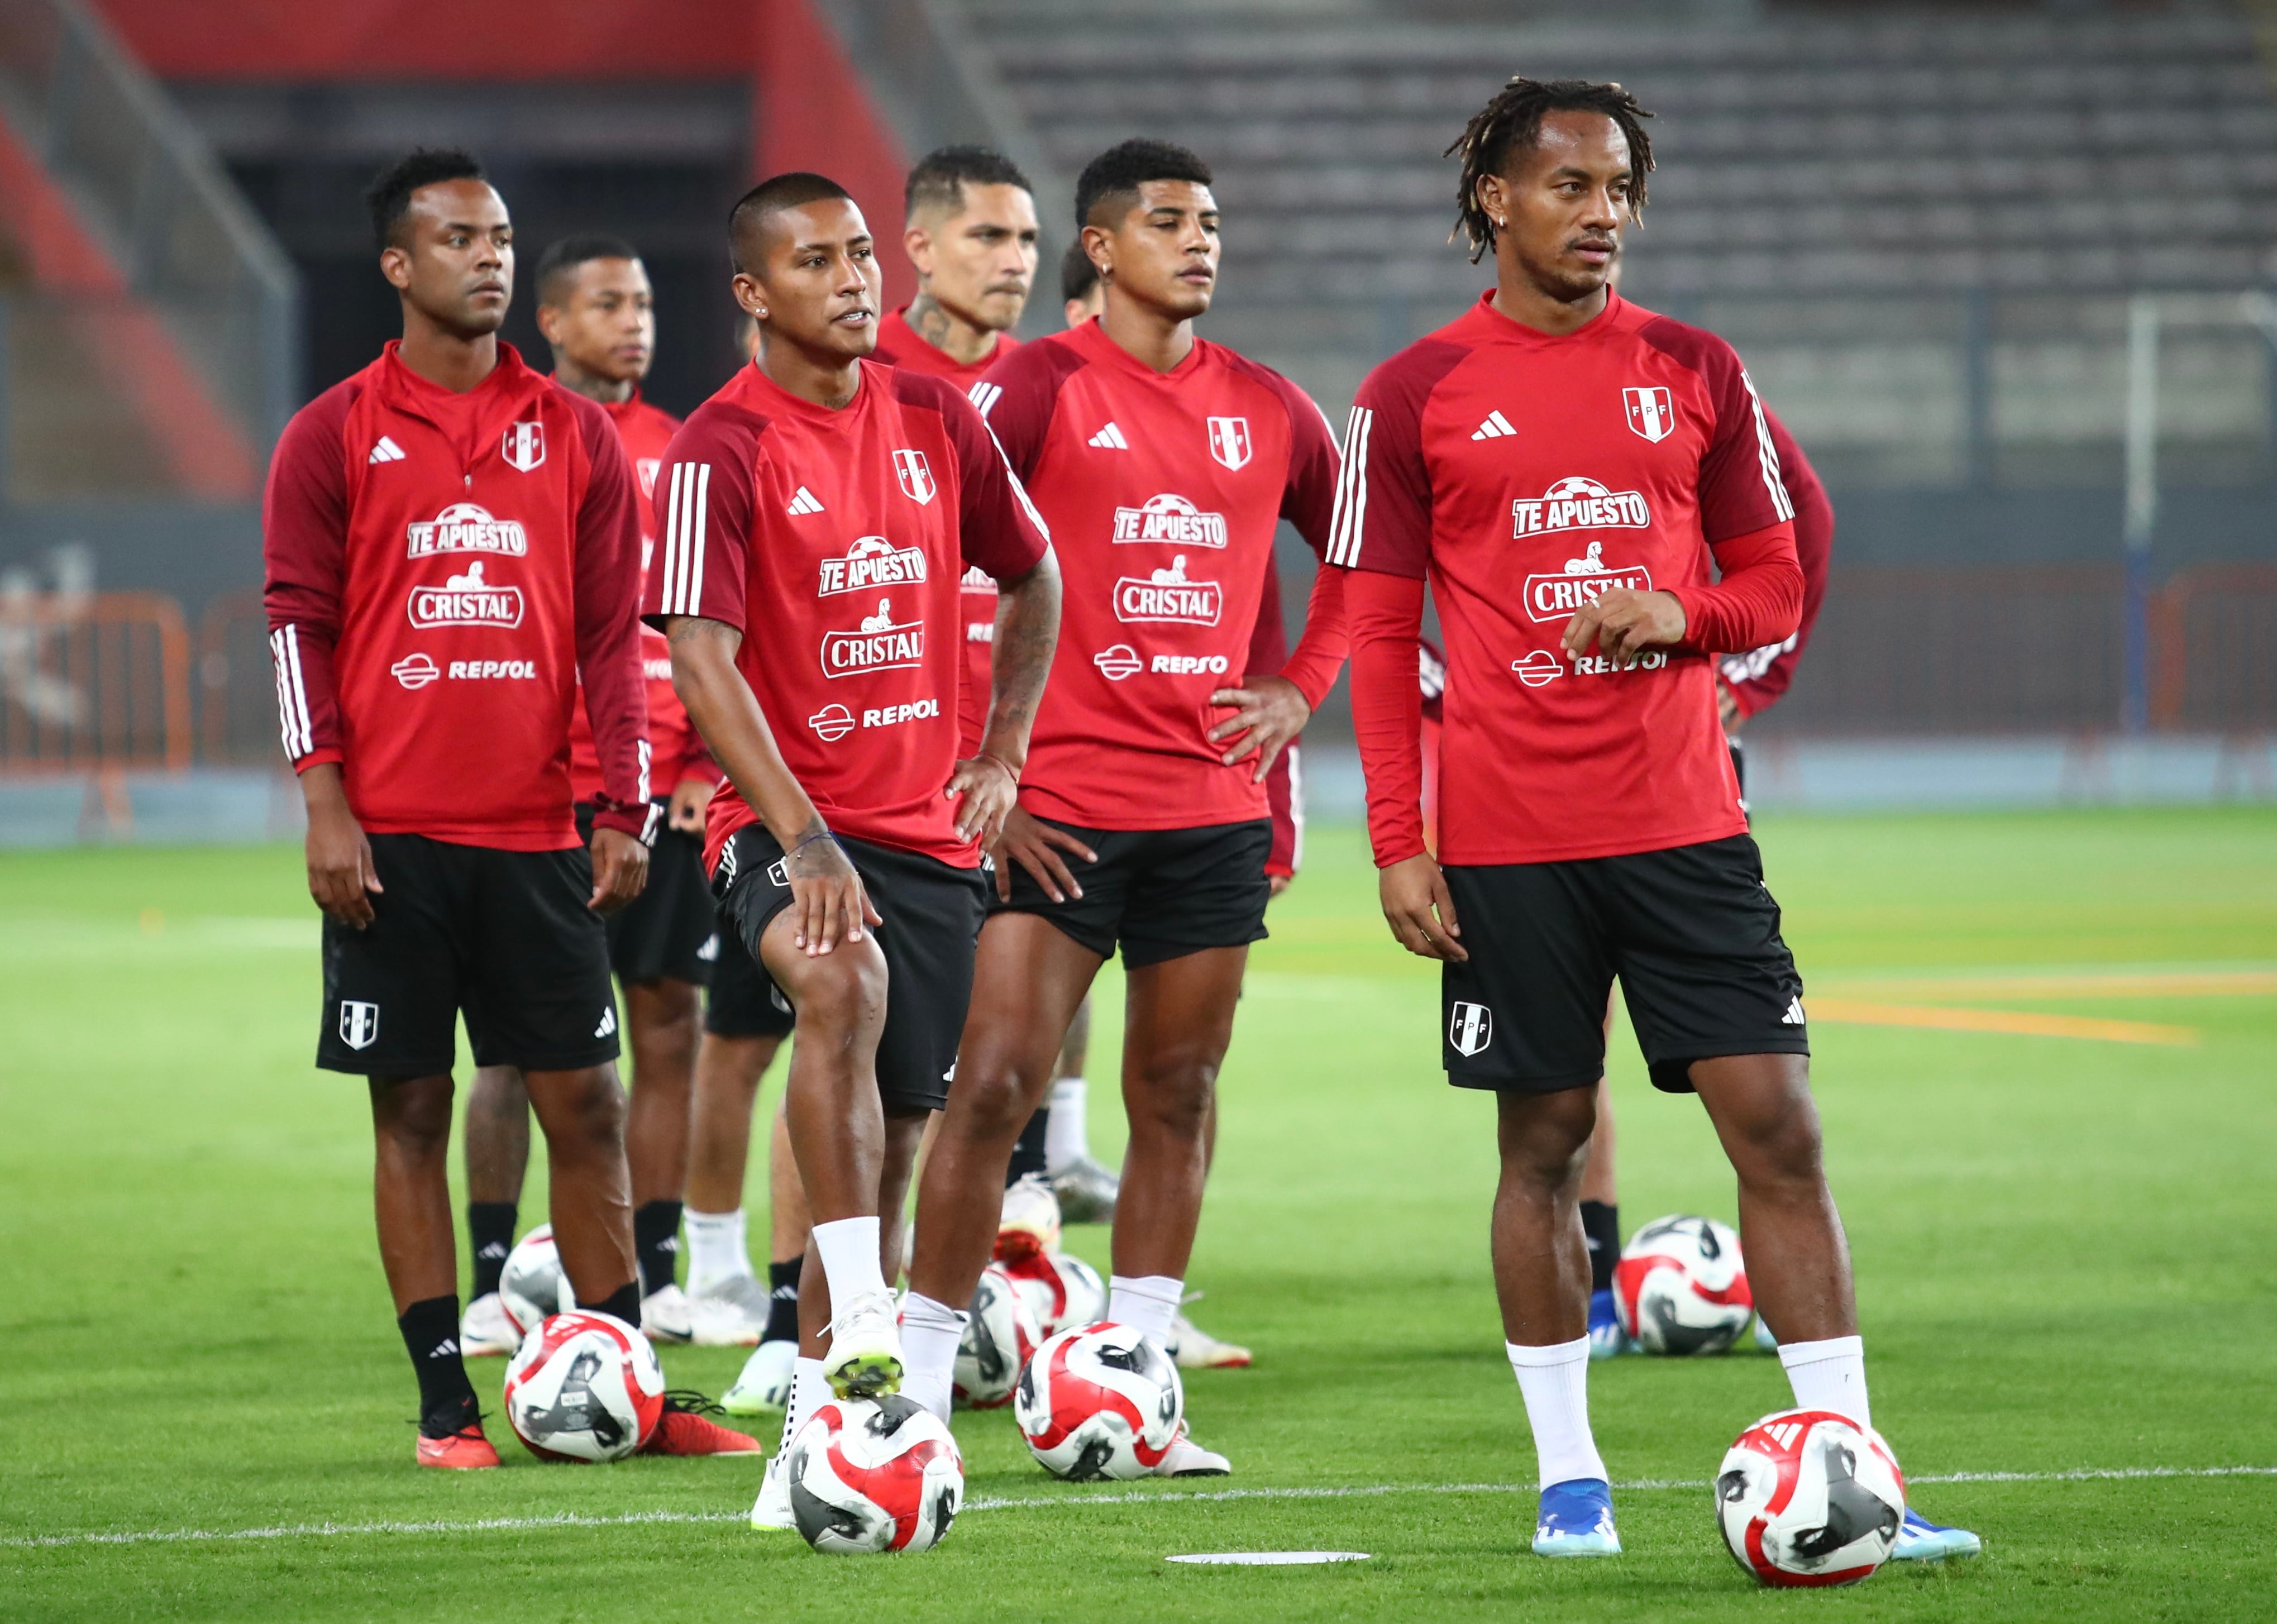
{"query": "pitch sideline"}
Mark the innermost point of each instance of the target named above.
(574, 1520)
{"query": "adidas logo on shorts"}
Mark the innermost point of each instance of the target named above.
(1794, 1015)
(608, 1026)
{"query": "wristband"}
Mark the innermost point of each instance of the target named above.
(1011, 771)
(810, 840)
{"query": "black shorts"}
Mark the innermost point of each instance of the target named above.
(931, 913)
(661, 933)
(1692, 932)
(1160, 893)
(503, 937)
(741, 1001)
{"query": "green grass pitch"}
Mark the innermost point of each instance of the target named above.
(2063, 1253)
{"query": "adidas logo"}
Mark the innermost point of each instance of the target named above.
(985, 395)
(1496, 427)
(608, 1026)
(1794, 1015)
(1109, 438)
(805, 501)
(784, 1294)
(448, 1347)
(497, 1248)
(386, 450)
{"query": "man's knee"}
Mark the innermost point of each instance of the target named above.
(584, 1107)
(411, 1116)
(1544, 1138)
(1174, 1095)
(838, 995)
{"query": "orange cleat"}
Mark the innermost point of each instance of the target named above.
(682, 1430)
(466, 1450)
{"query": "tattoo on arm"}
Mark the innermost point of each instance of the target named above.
(1027, 632)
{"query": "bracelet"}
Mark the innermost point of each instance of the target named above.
(1010, 771)
(810, 840)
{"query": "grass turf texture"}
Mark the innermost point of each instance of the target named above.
(2062, 1251)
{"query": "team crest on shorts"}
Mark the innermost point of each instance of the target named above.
(359, 1023)
(1470, 1028)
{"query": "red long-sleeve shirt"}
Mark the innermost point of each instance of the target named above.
(1760, 677)
(440, 568)
(1525, 474)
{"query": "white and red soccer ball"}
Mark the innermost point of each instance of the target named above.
(1809, 1497)
(1682, 1286)
(1060, 1290)
(533, 1285)
(999, 1338)
(584, 1386)
(871, 1477)
(1100, 1400)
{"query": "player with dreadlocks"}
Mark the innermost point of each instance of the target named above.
(1560, 464)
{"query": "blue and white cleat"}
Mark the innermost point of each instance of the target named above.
(1764, 1341)
(1576, 1519)
(1607, 1340)
(1920, 1540)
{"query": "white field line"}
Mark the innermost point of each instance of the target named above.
(575, 1520)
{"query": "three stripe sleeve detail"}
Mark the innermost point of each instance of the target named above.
(687, 511)
(1348, 519)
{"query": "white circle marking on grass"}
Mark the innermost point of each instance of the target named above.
(1270, 1558)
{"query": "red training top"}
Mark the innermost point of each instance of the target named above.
(833, 541)
(1760, 678)
(1163, 491)
(440, 568)
(1525, 474)
(899, 345)
(676, 754)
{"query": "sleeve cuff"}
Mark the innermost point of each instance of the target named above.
(326, 756)
(639, 821)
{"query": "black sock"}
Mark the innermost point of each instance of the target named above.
(489, 1232)
(782, 1304)
(1601, 1221)
(430, 1336)
(655, 1243)
(624, 1303)
(1028, 1150)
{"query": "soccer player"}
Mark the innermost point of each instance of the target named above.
(821, 510)
(449, 540)
(598, 315)
(1164, 463)
(1560, 464)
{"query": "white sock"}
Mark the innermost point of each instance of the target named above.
(1555, 1381)
(848, 1249)
(715, 1248)
(931, 1333)
(1148, 1303)
(1067, 1131)
(808, 1389)
(1829, 1376)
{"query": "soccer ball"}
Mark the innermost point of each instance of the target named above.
(998, 1337)
(584, 1386)
(533, 1284)
(1059, 1290)
(1681, 1287)
(870, 1476)
(1100, 1400)
(1809, 1497)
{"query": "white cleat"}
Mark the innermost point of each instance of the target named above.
(771, 1513)
(664, 1316)
(742, 1302)
(764, 1384)
(864, 1358)
(1030, 1226)
(1764, 1341)
(1195, 1349)
(1187, 1459)
(484, 1330)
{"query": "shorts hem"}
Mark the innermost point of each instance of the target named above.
(361, 1067)
(1506, 1083)
(1678, 1067)
(1139, 956)
(1043, 910)
(600, 1054)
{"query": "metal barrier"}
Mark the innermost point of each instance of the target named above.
(93, 681)
(237, 690)
(2213, 641)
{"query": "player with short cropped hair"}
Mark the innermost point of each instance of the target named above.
(1560, 465)
(598, 313)
(450, 539)
(1164, 463)
(820, 512)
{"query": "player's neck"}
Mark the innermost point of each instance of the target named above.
(962, 342)
(829, 381)
(1148, 335)
(453, 360)
(592, 385)
(1525, 301)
